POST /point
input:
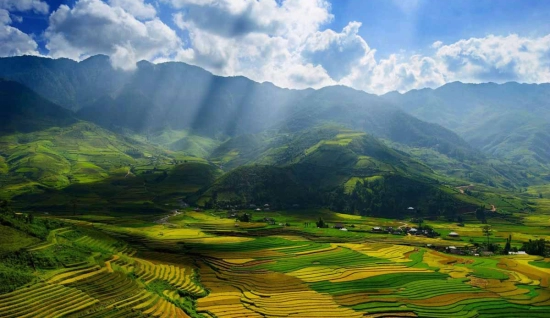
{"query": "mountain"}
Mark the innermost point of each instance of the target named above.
(508, 121)
(22, 110)
(177, 96)
(332, 166)
(47, 153)
(65, 82)
(169, 132)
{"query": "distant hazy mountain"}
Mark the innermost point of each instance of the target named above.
(508, 121)
(180, 96)
(65, 82)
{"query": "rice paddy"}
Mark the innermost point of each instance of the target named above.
(202, 266)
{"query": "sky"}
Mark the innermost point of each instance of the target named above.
(372, 45)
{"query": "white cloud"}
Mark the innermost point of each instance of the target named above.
(437, 44)
(93, 27)
(13, 41)
(138, 8)
(285, 42)
(498, 59)
(296, 18)
(4, 17)
(37, 6)
(17, 18)
(338, 53)
(397, 73)
(261, 39)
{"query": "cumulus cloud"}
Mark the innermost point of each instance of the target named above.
(94, 27)
(14, 42)
(498, 59)
(282, 41)
(37, 6)
(230, 18)
(338, 53)
(259, 39)
(4, 17)
(138, 8)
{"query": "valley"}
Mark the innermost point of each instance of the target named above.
(172, 192)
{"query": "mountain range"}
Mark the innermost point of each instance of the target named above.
(172, 130)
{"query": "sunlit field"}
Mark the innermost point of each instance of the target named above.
(202, 264)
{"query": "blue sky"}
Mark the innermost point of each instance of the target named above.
(390, 26)
(373, 45)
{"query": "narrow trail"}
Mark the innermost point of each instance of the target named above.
(469, 187)
(164, 219)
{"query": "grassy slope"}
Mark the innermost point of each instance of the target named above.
(305, 167)
(51, 167)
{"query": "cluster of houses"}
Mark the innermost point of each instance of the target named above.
(468, 250)
(256, 208)
(404, 230)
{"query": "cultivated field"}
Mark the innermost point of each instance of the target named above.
(199, 264)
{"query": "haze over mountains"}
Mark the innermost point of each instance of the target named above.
(507, 121)
(314, 142)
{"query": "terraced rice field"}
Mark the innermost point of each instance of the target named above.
(305, 279)
(279, 275)
(118, 287)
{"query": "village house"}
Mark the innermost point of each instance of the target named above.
(269, 221)
(231, 215)
(377, 229)
(339, 226)
(454, 234)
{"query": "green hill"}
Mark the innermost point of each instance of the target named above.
(508, 121)
(346, 170)
(48, 158)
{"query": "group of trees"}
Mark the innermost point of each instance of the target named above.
(26, 222)
(390, 197)
(537, 247)
(321, 223)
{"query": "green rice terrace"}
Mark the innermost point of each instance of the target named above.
(214, 263)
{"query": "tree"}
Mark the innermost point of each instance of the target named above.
(487, 231)
(480, 214)
(4, 206)
(321, 223)
(420, 221)
(508, 246)
(245, 217)
(74, 202)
